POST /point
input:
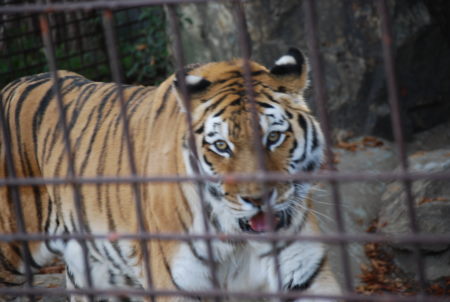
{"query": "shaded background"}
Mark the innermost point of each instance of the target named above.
(351, 47)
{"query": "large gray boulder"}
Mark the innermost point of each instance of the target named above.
(432, 207)
(360, 201)
(431, 201)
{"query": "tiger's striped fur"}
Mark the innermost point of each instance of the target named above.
(292, 143)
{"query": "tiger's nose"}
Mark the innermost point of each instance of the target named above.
(259, 201)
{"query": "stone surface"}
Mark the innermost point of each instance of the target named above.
(360, 200)
(432, 208)
(365, 202)
(44, 281)
(350, 43)
(431, 201)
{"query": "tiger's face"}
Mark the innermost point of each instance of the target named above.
(289, 139)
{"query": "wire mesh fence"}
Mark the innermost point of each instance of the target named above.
(87, 36)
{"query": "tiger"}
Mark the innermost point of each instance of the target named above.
(212, 135)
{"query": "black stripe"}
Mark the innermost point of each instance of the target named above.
(98, 121)
(294, 146)
(116, 248)
(40, 111)
(258, 72)
(110, 259)
(7, 265)
(138, 99)
(310, 166)
(18, 252)
(163, 102)
(220, 112)
(265, 105)
(269, 96)
(167, 266)
(216, 103)
(214, 106)
(304, 126)
(289, 115)
(207, 162)
(189, 242)
(38, 205)
(41, 160)
(47, 227)
(200, 129)
(166, 262)
(71, 278)
(111, 277)
(19, 104)
(306, 284)
(236, 102)
(315, 141)
(82, 99)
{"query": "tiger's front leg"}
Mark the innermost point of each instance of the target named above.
(304, 269)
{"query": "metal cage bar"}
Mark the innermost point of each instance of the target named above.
(78, 203)
(321, 98)
(115, 68)
(244, 41)
(185, 98)
(387, 41)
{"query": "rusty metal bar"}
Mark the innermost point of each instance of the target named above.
(78, 203)
(236, 177)
(180, 62)
(389, 65)
(244, 41)
(327, 238)
(219, 293)
(321, 98)
(115, 69)
(91, 5)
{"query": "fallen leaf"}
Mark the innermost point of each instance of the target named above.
(347, 146)
(371, 141)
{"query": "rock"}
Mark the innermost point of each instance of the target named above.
(432, 206)
(431, 200)
(436, 265)
(350, 44)
(365, 202)
(44, 281)
(360, 200)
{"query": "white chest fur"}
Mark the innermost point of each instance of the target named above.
(247, 267)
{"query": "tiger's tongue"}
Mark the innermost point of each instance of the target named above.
(258, 223)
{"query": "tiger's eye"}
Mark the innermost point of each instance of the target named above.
(274, 136)
(221, 145)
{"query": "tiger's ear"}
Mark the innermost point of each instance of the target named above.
(292, 69)
(195, 86)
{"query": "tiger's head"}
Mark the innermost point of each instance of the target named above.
(290, 139)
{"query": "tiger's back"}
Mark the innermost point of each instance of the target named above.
(37, 145)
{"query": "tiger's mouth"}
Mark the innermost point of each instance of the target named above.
(260, 222)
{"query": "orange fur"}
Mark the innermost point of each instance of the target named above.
(158, 130)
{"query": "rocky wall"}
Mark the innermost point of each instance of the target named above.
(351, 48)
